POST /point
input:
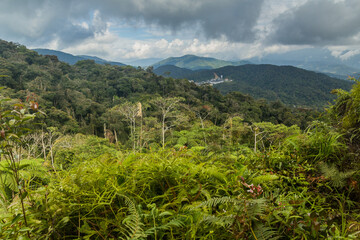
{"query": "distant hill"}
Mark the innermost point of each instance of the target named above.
(144, 62)
(193, 62)
(71, 59)
(173, 71)
(315, 59)
(291, 85)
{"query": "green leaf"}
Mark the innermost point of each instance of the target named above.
(24, 166)
(166, 213)
(62, 222)
(23, 238)
(24, 229)
(11, 135)
(23, 195)
(16, 219)
(8, 192)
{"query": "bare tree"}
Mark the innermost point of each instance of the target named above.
(131, 111)
(33, 145)
(48, 139)
(256, 131)
(166, 107)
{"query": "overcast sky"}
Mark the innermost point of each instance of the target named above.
(122, 30)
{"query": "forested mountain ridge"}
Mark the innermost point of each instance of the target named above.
(291, 85)
(300, 88)
(174, 72)
(193, 62)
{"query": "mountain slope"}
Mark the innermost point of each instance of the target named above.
(62, 56)
(143, 62)
(291, 85)
(315, 59)
(71, 59)
(195, 62)
(173, 71)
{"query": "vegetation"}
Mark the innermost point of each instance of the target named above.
(137, 156)
(290, 85)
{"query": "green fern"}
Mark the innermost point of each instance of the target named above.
(167, 226)
(217, 201)
(133, 221)
(263, 179)
(256, 207)
(337, 178)
(262, 232)
(223, 221)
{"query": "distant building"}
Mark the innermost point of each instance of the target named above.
(215, 80)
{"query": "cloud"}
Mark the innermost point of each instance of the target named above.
(112, 47)
(45, 20)
(216, 18)
(319, 22)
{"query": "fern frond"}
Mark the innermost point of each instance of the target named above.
(256, 207)
(217, 201)
(171, 224)
(223, 221)
(264, 233)
(337, 178)
(133, 221)
(263, 179)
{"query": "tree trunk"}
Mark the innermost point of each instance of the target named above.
(116, 139)
(43, 143)
(163, 133)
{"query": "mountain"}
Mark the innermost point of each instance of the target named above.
(315, 59)
(62, 56)
(101, 61)
(173, 71)
(291, 85)
(144, 62)
(193, 62)
(71, 59)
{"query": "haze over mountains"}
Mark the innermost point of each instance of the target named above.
(289, 84)
(193, 62)
(72, 59)
(314, 59)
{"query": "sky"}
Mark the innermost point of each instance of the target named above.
(126, 30)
